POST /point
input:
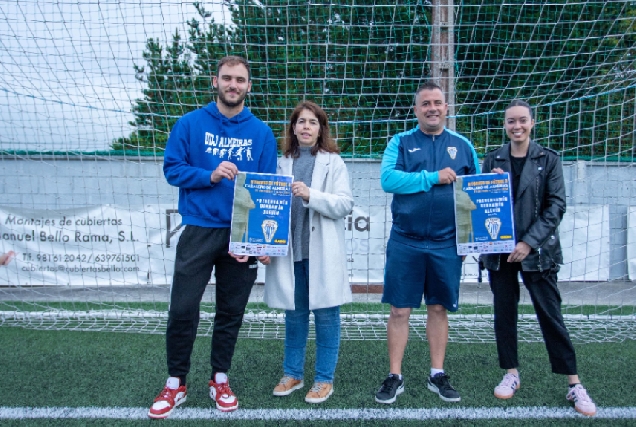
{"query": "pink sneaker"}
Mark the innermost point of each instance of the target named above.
(169, 398)
(582, 402)
(507, 387)
(221, 393)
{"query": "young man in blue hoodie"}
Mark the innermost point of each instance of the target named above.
(205, 151)
(419, 167)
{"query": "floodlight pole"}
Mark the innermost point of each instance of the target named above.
(443, 52)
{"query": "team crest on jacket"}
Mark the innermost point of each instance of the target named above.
(452, 152)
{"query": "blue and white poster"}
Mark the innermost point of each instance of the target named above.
(261, 214)
(483, 214)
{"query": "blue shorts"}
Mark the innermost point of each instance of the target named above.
(415, 268)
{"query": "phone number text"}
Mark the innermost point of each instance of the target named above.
(88, 258)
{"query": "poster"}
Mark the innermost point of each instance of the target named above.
(483, 214)
(261, 214)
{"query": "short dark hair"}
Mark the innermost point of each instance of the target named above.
(232, 61)
(519, 103)
(427, 85)
(325, 142)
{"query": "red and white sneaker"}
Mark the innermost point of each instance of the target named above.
(169, 398)
(221, 393)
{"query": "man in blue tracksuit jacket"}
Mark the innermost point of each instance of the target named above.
(206, 150)
(419, 167)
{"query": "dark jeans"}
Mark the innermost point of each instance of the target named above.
(199, 250)
(546, 300)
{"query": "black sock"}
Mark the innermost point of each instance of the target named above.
(572, 385)
(182, 381)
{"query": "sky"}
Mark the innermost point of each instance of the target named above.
(67, 80)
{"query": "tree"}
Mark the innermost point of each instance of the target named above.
(360, 63)
(363, 62)
(548, 54)
(175, 84)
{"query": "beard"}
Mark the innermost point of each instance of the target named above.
(231, 104)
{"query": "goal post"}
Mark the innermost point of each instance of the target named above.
(89, 92)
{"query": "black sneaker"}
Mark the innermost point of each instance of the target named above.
(391, 387)
(439, 384)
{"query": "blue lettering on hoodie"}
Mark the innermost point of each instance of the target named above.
(198, 143)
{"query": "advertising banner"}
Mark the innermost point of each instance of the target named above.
(585, 241)
(92, 246)
(133, 245)
(631, 243)
(366, 233)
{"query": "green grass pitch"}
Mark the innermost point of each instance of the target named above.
(66, 369)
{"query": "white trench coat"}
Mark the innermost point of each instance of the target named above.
(330, 200)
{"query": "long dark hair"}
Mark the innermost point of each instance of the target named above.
(520, 103)
(324, 143)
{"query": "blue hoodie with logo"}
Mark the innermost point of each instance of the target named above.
(422, 209)
(198, 143)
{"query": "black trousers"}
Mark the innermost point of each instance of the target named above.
(546, 299)
(198, 251)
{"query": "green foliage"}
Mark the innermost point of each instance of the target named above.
(573, 59)
(175, 83)
(347, 58)
(363, 64)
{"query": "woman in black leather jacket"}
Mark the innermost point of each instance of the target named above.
(539, 205)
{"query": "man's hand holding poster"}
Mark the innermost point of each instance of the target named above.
(483, 214)
(261, 214)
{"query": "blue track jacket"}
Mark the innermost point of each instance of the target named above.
(422, 209)
(198, 143)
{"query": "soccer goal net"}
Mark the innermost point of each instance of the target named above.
(90, 90)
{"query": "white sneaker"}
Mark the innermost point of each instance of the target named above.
(583, 403)
(507, 387)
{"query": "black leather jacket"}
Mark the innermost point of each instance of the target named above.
(538, 209)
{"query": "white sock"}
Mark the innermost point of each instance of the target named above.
(173, 383)
(220, 378)
(436, 371)
(398, 375)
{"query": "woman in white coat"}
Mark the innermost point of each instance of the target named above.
(313, 276)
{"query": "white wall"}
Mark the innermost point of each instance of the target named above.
(599, 196)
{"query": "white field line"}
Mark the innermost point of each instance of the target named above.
(264, 316)
(533, 412)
